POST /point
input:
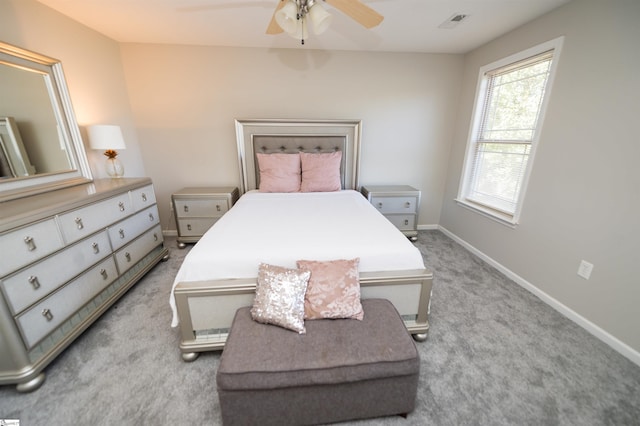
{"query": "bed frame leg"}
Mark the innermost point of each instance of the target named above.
(420, 337)
(190, 356)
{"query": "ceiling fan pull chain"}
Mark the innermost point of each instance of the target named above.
(300, 17)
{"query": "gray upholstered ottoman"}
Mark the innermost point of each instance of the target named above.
(340, 370)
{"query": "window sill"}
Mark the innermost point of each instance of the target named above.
(501, 218)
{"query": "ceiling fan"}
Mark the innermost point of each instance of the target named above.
(293, 16)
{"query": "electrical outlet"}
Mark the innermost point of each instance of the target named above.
(584, 270)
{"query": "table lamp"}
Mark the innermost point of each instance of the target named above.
(109, 138)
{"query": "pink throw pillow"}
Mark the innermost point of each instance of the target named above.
(321, 171)
(333, 290)
(279, 172)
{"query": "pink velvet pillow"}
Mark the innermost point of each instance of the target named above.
(320, 171)
(279, 172)
(333, 290)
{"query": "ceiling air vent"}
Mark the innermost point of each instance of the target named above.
(453, 21)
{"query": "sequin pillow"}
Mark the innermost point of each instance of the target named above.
(333, 290)
(279, 297)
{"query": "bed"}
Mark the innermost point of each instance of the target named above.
(218, 275)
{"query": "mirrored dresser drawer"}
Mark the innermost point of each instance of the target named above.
(33, 283)
(28, 244)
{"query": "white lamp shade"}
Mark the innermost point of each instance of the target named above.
(320, 18)
(301, 32)
(287, 18)
(105, 136)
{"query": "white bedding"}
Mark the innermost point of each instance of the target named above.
(280, 228)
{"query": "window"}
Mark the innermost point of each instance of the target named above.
(510, 103)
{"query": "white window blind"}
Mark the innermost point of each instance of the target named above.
(507, 116)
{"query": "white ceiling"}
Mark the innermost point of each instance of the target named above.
(409, 25)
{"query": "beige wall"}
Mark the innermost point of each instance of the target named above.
(92, 67)
(583, 197)
(185, 100)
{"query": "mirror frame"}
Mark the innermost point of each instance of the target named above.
(79, 170)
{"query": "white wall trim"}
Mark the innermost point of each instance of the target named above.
(428, 227)
(615, 343)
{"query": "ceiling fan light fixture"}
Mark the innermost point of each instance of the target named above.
(287, 17)
(301, 31)
(320, 18)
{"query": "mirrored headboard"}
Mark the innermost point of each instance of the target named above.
(41, 147)
(291, 136)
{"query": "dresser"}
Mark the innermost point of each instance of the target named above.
(67, 256)
(398, 203)
(196, 209)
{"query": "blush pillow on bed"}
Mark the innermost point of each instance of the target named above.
(320, 171)
(333, 290)
(279, 298)
(279, 172)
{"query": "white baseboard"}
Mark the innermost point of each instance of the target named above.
(615, 343)
(428, 227)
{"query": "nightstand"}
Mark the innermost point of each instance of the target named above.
(196, 209)
(398, 203)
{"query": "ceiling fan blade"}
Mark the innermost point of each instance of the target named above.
(273, 27)
(357, 11)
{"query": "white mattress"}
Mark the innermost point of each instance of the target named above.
(280, 228)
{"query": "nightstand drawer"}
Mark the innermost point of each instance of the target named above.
(404, 222)
(195, 226)
(210, 207)
(196, 209)
(398, 203)
(395, 204)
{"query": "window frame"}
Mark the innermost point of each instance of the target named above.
(477, 115)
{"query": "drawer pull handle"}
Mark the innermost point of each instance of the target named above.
(406, 221)
(33, 280)
(121, 206)
(31, 245)
(407, 204)
(151, 217)
(79, 223)
(47, 314)
(186, 209)
(121, 232)
(155, 236)
(128, 256)
(104, 274)
(218, 207)
(96, 248)
(189, 226)
(379, 205)
(144, 197)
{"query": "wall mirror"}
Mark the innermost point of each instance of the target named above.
(40, 144)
